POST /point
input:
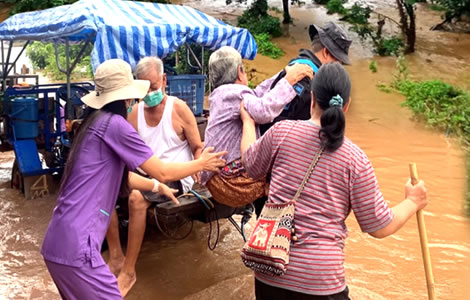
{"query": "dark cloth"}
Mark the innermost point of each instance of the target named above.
(259, 204)
(158, 198)
(267, 292)
(299, 107)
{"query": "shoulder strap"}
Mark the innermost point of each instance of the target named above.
(305, 61)
(309, 172)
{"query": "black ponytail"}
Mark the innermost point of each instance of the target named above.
(89, 118)
(331, 88)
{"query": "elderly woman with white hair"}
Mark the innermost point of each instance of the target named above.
(227, 75)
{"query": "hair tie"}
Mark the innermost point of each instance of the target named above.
(336, 101)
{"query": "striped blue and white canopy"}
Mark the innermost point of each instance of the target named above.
(127, 30)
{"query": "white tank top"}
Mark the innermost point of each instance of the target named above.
(164, 141)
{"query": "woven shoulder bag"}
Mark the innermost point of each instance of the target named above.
(267, 249)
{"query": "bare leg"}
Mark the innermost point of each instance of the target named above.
(116, 256)
(137, 222)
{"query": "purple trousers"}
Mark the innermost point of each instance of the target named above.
(84, 282)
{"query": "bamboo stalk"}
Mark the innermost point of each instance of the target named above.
(423, 239)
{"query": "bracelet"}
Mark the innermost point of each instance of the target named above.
(156, 183)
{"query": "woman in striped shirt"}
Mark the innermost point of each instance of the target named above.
(343, 180)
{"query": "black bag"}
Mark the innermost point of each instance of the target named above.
(299, 107)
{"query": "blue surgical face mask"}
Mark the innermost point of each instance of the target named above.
(154, 98)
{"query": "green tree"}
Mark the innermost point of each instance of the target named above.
(455, 8)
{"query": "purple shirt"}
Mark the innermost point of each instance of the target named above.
(224, 129)
(84, 205)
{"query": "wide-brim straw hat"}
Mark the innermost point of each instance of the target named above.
(113, 82)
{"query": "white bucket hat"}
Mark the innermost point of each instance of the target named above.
(113, 82)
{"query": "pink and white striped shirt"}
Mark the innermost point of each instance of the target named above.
(342, 180)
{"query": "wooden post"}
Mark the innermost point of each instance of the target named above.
(423, 239)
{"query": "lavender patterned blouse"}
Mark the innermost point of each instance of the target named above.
(224, 129)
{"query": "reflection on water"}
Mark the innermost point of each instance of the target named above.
(376, 269)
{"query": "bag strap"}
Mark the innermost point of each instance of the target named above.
(309, 172)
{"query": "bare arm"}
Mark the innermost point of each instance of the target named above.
(249, 130)
(415, 199)
(190, 129)
(141, 183)
(137, 182)
(264, 108)
(173, 171)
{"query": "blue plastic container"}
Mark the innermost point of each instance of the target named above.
(189, 88)
(24, 117)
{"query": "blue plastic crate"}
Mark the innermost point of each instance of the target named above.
(189, 88)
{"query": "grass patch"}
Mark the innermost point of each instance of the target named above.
(437, 7)
(267, 47)
(373, 66)
(442, 105)
(336, 6)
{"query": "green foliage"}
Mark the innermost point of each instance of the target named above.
(389, 46)
(437, 7)
(384, 88)
(30, 5)
(263, 27)
(275, 9)
(321, 1)
(336, 6)
(442, 105)
(183, 67)
(373, 66)
(455, 8)
(467, 203)
(257, 20)
(383, 46)
(42, 56)
(266, 47)
(357, 14)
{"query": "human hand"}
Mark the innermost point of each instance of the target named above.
(197, 177)
(212, 161)
(163, 189)
(297, 72)
(244, 115)
(417, 194)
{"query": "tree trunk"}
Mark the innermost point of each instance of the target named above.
(285, 7)
(408, 30)
(411, 32)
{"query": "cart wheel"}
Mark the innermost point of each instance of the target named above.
(17, 180)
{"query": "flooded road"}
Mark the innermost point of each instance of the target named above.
(391, 268)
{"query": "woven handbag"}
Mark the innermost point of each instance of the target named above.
(267, 249)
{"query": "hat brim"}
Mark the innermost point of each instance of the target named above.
(329, 44)
(136, 90)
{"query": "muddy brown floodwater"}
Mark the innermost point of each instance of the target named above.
(391, 268)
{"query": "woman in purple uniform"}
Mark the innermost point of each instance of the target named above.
(104, 150)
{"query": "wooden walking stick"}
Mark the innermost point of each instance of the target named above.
(423, 239)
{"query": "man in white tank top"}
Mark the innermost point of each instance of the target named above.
(169, 128)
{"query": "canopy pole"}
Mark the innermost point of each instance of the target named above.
(189, 50)
(202, 60)
(5, 64)
(3, 69)
(18, 57)
(67, 74)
